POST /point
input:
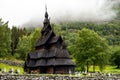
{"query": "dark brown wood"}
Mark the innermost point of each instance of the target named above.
(51, 55)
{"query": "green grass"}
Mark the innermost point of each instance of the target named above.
(3, 66)
(108, 69)
(111, 69)
(96, 68)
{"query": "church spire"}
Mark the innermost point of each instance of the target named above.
(46, 14)
(46, 24)
(46, 20)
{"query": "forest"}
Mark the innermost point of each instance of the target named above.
(89, 44)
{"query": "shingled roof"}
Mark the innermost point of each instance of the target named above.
(44, 40)
(57, 53)
(49, 62)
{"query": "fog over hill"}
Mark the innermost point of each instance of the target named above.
(77, 10)
(31, 12)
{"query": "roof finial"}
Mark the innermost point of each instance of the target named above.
(46, 14)
(45, 7)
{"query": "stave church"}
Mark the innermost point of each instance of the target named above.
(51, 55)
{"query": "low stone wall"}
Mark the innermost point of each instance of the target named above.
(40, 77)
(11, 63)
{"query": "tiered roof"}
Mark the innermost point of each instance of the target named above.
(44, 56)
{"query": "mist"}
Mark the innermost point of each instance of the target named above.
(85, 10)
(78, 10)
(31, 12)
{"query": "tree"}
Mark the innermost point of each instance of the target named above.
(56, 28)
(26, 44)
(23, 47)
(15, 34)
(5, 39)
(34, 36)
(14, 38)
(116, 58)
(90, 49)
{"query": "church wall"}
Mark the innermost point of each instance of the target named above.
(52, 46)
(63, 70)
(39, 48)
(50, 70)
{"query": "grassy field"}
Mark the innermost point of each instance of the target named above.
(108, 69)
(111, 69)
(3, 66)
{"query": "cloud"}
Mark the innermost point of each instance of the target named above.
(31, 12)
(80, 10)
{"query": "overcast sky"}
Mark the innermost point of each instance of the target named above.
(19, 12)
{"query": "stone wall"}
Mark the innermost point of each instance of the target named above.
(12, 63)
(42, 77)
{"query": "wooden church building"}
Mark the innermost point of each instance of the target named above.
(51, 55)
